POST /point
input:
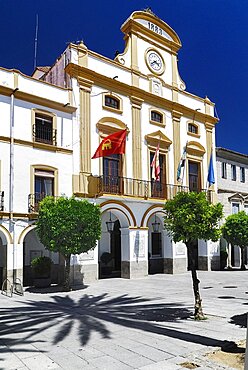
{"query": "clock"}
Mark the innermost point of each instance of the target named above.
(155, 62)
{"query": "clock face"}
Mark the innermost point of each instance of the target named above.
(155, 61)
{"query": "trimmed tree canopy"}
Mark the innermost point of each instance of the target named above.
(235, 229)
(68, 226)
(189, 216)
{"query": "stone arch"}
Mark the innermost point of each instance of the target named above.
(7, 235)
(121, 210)
(150, 212)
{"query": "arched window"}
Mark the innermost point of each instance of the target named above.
(156, 116)
(112, 102)
(192, 128)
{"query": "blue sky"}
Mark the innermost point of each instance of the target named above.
(213, 59)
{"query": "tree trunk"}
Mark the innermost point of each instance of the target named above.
(242, 250)
(67, 273)
(198, 314)
(198, 302)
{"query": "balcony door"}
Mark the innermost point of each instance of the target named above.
(194, 176)
(112, 170)
(158, 188)
(43, 129)
(44, 185)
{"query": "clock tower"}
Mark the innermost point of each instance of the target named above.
(151, 51)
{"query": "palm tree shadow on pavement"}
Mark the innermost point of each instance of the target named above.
(93, 314)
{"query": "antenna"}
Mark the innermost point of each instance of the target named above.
(36, 41)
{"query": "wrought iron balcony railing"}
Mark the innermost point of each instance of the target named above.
(1, 201)
(117, 185)
(34, 200)
(43, 134)
(137, 188)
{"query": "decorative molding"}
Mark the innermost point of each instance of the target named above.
(158, 137)
(195, 149)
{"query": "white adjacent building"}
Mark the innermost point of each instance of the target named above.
(232, 173)
(35, 160)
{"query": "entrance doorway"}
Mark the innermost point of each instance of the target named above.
(115, 249)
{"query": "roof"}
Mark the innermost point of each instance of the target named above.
(43, 69)
(231, 155)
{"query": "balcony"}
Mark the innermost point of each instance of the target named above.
(34, 200)
(44, 134)
(137, 188)
(1, 201)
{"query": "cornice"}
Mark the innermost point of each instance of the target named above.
(37, 100)
(42, 146)
(76, 71)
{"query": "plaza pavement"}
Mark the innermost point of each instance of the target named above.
(118, 324)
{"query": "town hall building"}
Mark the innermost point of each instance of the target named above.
(142, 92)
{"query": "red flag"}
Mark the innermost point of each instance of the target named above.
(155, 166)
(112, 144)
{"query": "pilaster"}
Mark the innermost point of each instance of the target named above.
(136, 137)
(84, 135)
(176, 117)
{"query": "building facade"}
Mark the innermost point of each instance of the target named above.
(232, 173)
(140, 91)
(35, 160)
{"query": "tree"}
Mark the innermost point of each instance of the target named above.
(189, 217)
(235, 231)
(68, 226)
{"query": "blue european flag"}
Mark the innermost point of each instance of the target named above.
(211, 179)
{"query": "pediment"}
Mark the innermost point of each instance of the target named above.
(108, 125)
(158, 137)
(237, 197)
(147, 23)
(195, 148)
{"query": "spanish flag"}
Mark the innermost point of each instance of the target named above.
(112, 144)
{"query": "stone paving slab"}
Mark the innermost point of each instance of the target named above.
(120, 324)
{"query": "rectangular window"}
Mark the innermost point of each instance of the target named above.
(233, 172)
(246, 208)
(235, 208)
(194, 176)
(43, 129)
(242, 174)
(223, 170)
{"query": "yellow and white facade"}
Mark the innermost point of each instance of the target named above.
(140, 90)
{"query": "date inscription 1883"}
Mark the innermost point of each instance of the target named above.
(154, 28)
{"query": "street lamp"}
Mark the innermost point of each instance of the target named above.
(155, 225)
(110, 225)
